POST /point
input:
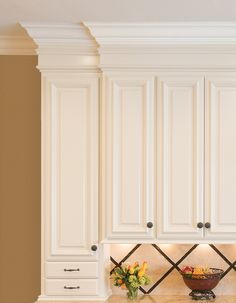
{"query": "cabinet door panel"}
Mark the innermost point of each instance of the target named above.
(221, 156)
(180, 156)
(71, 113)
(128, 149)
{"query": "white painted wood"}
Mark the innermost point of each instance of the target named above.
(155, 33)
(168, 59)
(154, 46)
(128, 148)
(221, 156)
(63, 46)
(71, 105)
(72, 269)
(147, 46)
(180, 166)
(70, 36)
(87, 287)
(151, 155)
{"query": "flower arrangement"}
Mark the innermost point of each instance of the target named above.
(131, 277)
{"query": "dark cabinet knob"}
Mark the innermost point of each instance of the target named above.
(207, 225)
(200, 225)
(149, 224)
(94, 247)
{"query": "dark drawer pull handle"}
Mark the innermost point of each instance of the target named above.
(77, 269)
(207, 225)
(71, 287)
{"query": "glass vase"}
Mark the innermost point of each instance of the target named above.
(132, 293)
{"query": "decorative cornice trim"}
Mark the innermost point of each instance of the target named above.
(17, 45)
(61, 38)
(163, 33)
(152, 46)
(84, 38)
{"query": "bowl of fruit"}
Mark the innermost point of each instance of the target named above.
(201, 280)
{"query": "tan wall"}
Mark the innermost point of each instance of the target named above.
(19, 179)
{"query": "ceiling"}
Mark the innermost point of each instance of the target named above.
(73, 11)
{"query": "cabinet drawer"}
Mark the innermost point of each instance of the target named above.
(72, 270)
(73, 287)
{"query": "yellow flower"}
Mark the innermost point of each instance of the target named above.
(131, 270)
(144, 266)
(141, 273)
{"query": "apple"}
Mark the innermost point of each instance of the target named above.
(187, 270)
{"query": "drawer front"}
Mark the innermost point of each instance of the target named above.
(73, 287)
(72, 270)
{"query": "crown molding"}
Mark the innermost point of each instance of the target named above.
(90, 45)
(61, 38)
(163, 33)
(158, 37)
(151, 46)
(17, 45)
(63, 46)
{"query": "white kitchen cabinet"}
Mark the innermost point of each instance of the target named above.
(73, 262)
(180, 165)
(145, 156)
(74, 265)
(196, 158)
(220, 190)
(193, 154)
(70, 181)
(128, 158)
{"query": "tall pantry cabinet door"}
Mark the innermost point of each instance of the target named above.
(70, 165)
(221, 157)
(180, 165)
(128, 151)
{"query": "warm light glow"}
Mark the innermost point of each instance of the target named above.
(204, 246)
(166, 246)
(122, 248)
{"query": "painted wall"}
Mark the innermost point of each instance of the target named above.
(19, 179)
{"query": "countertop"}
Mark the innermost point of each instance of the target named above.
(169, 299)
(158, 299)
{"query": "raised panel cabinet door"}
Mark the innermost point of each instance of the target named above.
(128, 166)
(70, 165)
(180, 165)
(221, 156)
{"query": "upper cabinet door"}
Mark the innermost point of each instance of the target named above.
(180, 165)
(70, 164)
(221, 157)
(128, 152)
